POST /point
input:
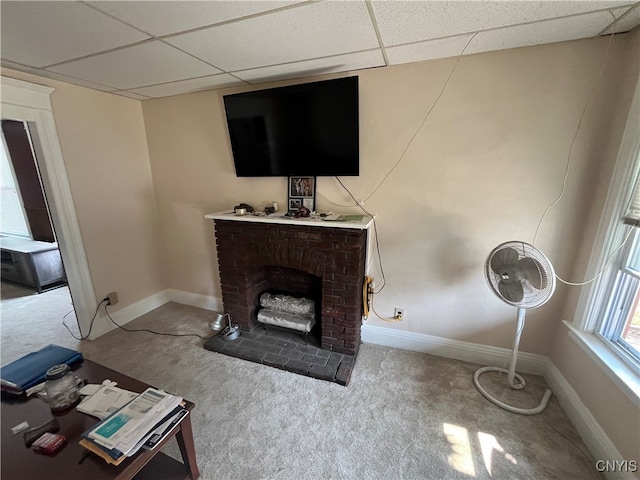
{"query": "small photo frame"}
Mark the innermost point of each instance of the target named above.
(295, 204)
(302, 193)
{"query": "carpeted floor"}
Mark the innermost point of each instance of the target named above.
(404, 415)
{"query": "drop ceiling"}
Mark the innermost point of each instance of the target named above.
(152, 49)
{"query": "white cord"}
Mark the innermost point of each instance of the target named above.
(566, 175)
(334, 203)
(444, 87)
(573, 140)
(603, 267)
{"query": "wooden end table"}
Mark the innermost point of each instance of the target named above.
(72, 462)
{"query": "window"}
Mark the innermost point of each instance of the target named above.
(620, 322)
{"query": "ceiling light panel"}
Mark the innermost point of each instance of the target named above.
(320, 66)
(45, 33)
(141, 65)
(309, 31)
(405, 22)
(164, 18)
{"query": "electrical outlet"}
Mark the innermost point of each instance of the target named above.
(112, 298)
(398, 313)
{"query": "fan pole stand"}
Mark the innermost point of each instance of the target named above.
(512, 376)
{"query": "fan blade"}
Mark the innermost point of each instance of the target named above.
(513, 292)
(504, 256)
(533, 272)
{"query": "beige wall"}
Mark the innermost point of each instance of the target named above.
(489, 159)
(616, 413)
(105, 153)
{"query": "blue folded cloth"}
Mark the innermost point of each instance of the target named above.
(31, 369)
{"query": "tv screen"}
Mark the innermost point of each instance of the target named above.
(310, 129)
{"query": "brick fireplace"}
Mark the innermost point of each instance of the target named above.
(300, 258)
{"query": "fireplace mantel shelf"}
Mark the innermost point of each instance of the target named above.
(280, 218)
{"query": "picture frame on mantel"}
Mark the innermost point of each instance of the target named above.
(302, 193)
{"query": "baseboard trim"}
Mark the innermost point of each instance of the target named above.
(456, 349)
(594, 437)
(127, 314)
(207, 302)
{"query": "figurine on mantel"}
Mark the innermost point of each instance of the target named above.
(302, 212)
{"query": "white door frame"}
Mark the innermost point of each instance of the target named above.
(31, 103)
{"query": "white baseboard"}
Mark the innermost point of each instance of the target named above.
(208, 302)
(589, 429)
(457, 349)
(125, 315)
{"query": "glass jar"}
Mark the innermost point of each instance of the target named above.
(61, 388)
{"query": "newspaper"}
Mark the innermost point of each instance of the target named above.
(124, 429)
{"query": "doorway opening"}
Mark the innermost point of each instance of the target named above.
(30, 104)
(30, 258)
(30, 254)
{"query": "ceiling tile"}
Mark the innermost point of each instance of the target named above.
(189, 86)
(163, 18)
(310, 31)
(45, 33)
(630, 21)
(405, 22)
(147, 64)
(559, 30)
(417, 52)
(339, 63)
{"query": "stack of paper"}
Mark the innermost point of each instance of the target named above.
(106, 400)
(343, 218)
(123, 433)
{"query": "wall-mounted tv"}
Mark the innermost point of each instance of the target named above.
(309, 129)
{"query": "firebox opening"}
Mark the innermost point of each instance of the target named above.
(296, 283)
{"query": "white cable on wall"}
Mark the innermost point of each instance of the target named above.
(573, 140)
(566, 175)
(424, 119)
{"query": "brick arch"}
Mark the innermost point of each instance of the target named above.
(312, 262)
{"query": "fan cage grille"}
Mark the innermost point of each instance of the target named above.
(532, 297)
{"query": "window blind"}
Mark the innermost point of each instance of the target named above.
(632, 217)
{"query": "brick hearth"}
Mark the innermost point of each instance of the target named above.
(286, 351)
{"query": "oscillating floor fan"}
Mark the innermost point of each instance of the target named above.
(523, 277)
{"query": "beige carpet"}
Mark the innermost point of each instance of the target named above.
(404, 415)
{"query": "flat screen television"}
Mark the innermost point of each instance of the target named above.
(309, 129)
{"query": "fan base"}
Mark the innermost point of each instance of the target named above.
(516, 386)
